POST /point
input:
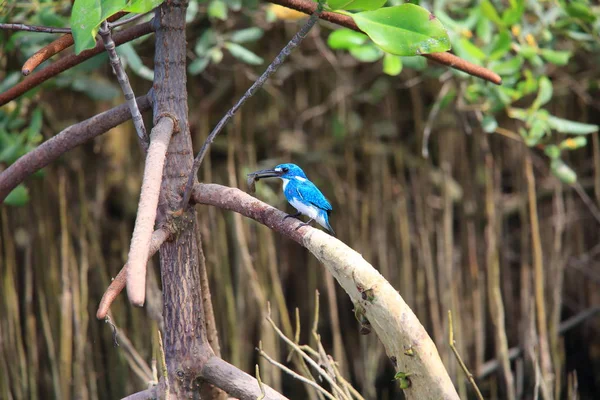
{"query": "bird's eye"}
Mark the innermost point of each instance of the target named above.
(285, 169)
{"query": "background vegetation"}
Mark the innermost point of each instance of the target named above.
(467, 196)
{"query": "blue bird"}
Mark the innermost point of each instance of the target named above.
(301, 193)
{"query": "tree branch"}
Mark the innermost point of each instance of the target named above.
(448, 59)
(296, 40)
(159, 236)
(147, 208)
(55, 47)
(64, 141)
(119, 71)
(394, 322)
(33, 28)
(70, 61)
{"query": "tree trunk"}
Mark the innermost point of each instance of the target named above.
(186, 346)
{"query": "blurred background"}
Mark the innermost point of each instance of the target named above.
(466, 196)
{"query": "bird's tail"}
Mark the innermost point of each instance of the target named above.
(328, 226)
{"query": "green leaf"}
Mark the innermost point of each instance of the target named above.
(552, 151)
(489, 124)
(580, 11)
(346, 39)
(405, 30)
(366, 53)
(133, 60)
(576, 128)
(416, 63)
(467, 50)
(206, 41)
(508, 67)
(35, 126)
(18, 197)
(365, 5)
(544, 93)
(556, 57)
(243, 54)
(217, 9)
(392, 64)
(142, 6)
(563, 171)
(537, 131)
(489, 11)
(246, 35)
(198, 65)
(514, 13)
(500, 46)
(85, 18)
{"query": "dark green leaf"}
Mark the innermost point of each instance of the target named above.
(246, 35)
(552, 151)
(514, 13)
(580, 11)
(405, 30)
(243, 54)
(363, 5)
(18, 197)
(508, 67)
(346, 39)
(489, 11)
(417, 63)
(392, 64)
(501, 45)
(85, 19)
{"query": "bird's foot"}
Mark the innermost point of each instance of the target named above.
(304, 224)
(297, 216)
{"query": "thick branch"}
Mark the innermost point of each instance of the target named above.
(449, 59)
(147, 208)
(70, 61)
(118, 284)
(236, 382)
(394, 322)
(66, 140)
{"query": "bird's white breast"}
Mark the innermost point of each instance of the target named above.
(307, 209)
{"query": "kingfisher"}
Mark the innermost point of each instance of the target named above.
(301, 193)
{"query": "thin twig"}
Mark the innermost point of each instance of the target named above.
(163, 365)
(294, 374)
(285, 52)
(147, 207)
(432, 115)
(119, 71)
(260, 384)
(459, 358)
(309, 360)
(128, 20)
(70, 61)
(64, 141)
(448, 59)
(33, 28)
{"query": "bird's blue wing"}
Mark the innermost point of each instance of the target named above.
(311, 194)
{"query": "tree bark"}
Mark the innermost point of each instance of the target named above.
(186, 346)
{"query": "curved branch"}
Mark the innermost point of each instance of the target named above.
(448, 59)
(394, 322)
(55, 47)
(159, 236)
(64, 141)
(70, 61)
(147, 208)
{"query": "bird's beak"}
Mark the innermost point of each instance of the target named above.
(265, 173)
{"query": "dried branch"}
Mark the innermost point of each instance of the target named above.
(55, 47)
(64, 141)
(119, 71)
(283, 54)
(118, 284)
(147, 208)
(394, 322)
(33, 28)
(70, 61)
(448, 59)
